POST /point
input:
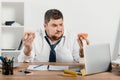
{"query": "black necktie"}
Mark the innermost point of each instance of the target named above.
(52, 57)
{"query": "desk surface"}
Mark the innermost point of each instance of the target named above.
(56, 75)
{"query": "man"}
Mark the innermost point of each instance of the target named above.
(53, 44)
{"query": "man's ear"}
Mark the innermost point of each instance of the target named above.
(44, 25)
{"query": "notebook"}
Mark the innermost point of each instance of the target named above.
(97, 58)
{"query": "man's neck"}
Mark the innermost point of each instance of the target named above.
(54, 41)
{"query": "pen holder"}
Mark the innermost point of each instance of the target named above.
(7, 68)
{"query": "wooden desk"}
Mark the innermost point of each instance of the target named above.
(56, 75)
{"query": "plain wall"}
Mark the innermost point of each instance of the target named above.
(13, 12)
(98, 18)
(0, 30)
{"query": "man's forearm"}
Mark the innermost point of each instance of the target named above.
(27, 51)
(81, 52)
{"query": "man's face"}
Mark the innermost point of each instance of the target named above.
(54, 28)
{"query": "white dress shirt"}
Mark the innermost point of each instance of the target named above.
(66, 51)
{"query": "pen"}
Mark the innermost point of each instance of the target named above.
(2, 59)
(12, 59)
(48, 67)
(6, 59)
(38, 66)
(72, 72)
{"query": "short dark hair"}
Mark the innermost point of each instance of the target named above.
(52, 14)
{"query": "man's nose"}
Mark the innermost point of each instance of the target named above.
(59, 28)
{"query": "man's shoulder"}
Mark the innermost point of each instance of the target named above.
(39, 34)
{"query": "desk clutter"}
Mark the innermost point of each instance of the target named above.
(56, 71)
(7, 65)
(68, 71)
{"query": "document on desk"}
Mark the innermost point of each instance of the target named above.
(53, 67)
(47, 67)
(37, 67)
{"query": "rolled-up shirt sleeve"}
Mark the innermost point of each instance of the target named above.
(76, 51)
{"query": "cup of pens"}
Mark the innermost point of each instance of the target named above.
(7, 66)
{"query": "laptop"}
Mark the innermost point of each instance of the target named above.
(97, 58)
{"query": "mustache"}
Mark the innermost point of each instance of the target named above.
(58, 32)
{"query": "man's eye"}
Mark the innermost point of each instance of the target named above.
(54, 25)
(61, 24)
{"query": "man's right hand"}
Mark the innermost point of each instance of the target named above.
(27, 42)
(81, 38)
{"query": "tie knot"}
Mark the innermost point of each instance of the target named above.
(53, 46)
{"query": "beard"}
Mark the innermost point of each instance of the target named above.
(56, 38)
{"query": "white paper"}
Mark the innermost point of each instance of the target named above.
(44, 67)
(51, 67)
